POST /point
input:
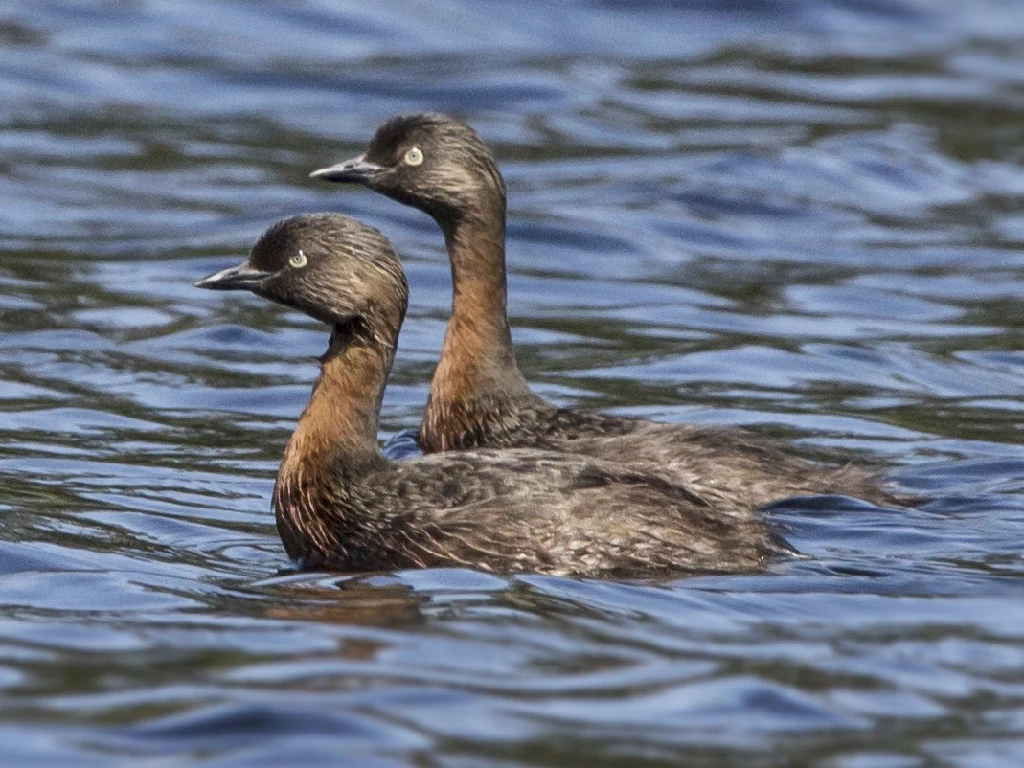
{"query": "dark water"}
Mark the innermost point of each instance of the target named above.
(801, 216)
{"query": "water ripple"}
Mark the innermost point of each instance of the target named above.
(802, 217)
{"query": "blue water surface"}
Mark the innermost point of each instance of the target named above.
(800, 216)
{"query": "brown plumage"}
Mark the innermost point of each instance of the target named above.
(341, 505)
(479, 397)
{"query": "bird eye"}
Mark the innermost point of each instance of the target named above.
(299, 260)
(414, 156)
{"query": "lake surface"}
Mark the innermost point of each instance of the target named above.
(801, 216)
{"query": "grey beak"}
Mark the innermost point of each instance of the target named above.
(356, 170)
(238, 278)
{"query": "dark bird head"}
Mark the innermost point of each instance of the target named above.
(428, 161)
(332, 267)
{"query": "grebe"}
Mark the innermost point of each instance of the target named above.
(479, 397)
(341, 506)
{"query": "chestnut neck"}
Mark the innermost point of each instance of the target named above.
(343, 413)
(477, 358)
(335, 439)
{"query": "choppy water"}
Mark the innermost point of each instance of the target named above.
(802, 216)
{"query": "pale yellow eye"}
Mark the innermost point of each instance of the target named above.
(299, 260)
(414, 156)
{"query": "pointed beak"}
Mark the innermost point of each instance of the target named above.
(239, 278)
(356, 170)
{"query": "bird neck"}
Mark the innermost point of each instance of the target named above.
(477, 370)
(335, 440)
(479, 320)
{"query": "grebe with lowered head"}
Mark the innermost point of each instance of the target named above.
(479, 397)
(341, 506)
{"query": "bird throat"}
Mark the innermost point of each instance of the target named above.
(477, 381)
